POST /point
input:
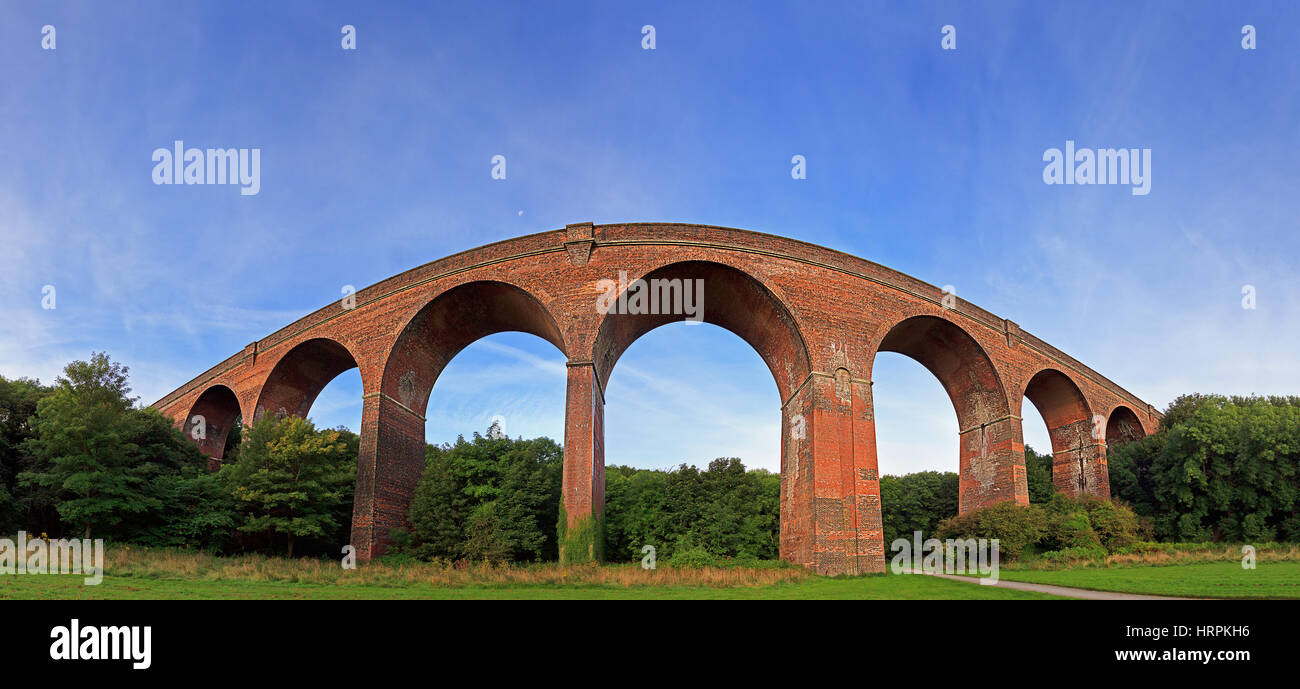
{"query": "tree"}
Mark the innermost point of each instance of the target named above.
(20, 506)
(493, 498)
(1130, 469)
(173, 475)
(916, 502)
(1038, 476)
(83, 447)
(1228, 468)
(485, 535)
(724, 511)
(289, 479)
(529, 498)
(439, 507)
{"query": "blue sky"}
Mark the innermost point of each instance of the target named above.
(928, 161)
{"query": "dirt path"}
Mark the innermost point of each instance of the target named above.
(1051, 589)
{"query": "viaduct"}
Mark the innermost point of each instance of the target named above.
(817, 317)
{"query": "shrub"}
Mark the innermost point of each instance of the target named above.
(692, 556)
(1090, 521)
(1063, 523)
(1075, 555)
(394, 559)
(1115, 523)
(1071, 530)
(1015, 526)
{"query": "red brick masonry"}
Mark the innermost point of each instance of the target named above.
(816, 316)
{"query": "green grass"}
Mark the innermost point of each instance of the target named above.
(868, 587)
(133, 572)
(1200, 580)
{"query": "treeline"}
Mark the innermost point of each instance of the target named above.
(491, 498)
(1219, 469)
(690, 515)
(78, 459)
(498, 498)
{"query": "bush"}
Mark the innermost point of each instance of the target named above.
(1015, 526)
(394, 559)
(1076, 555)
(1063, 524)
(1072, 530)
(692, 556)
(1115, 523)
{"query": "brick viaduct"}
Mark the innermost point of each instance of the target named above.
(817, 317)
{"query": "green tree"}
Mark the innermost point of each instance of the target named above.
(1227, 469)
(724, 511)
(21, 507)
(485, 535)
(289, 479)
(170, 466)
(439, 507)
(1130, 468)
(1038, 475)
(84, 447)
(493, 498)
(916, 502)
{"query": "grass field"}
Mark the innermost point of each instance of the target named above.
(143, 573)
(865, 588)
(1199, 580)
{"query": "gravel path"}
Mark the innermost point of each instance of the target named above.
(1051, 589)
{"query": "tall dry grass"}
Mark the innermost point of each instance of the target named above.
(134, 561)
(1158, 554)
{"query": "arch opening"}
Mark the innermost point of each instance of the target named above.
(394, 452)
(990, 451)
(1074, 449)
(299, 376)
(703, 384)
(452, 321)
(916, 439)
(515, 380)
(1123, 426)
(732, 299)
(694, 395)
(210, 421)
(958, 361)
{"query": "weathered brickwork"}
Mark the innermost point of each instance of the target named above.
(817, 318)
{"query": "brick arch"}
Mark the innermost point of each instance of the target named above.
(735, 300)
(1078, 458)
(1123, 426)
(959, 362)
(991, 451)
(453, 320)
(300, 375)
(391, 457)
(219, 407)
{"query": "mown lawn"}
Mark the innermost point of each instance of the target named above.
(1200, 580)
(137, 588)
